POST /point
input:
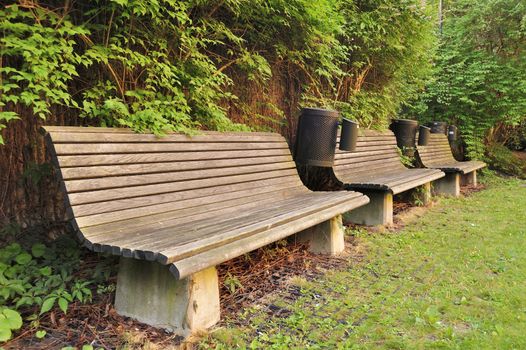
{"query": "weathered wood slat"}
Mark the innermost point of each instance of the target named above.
(136, 169)
(145, 158)
(73, 186)
(111, 148)
(80, 130)
(99, 137)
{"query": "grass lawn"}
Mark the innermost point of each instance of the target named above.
(455, 278)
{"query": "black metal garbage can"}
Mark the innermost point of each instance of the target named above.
(423, 135)
(316, 137)
(405, 132)
(438, 127)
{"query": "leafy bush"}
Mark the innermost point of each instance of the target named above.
(502, 159)
(33, 281)
(169, 65)
(480, 77)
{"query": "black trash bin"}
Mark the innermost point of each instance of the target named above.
(349, 135)
(438, 127)
(316, 137)
(423, 135)
(405, 132)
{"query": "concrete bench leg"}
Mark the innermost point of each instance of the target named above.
(379, 211)
(326, 237)
(448, 185)
(469, 178)
(149, 293)
(422, 194)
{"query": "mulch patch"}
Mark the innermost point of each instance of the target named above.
(470, 189)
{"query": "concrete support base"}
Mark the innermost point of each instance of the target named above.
(379, 211)
(326, 237)
(469, 179)
(149, 293)
(421, 195)
(448, 185)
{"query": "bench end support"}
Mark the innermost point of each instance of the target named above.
(148, 292)
(326, 237)
(448, 185)
(379, 211)
(469, 178)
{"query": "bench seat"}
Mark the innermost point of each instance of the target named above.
(186, 203)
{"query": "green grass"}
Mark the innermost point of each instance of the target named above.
(453, 279)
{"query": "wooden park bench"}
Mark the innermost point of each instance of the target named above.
(175, 207)
(437, 155)
(375, 169)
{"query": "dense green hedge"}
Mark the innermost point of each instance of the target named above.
(480, 76)
(168, 65)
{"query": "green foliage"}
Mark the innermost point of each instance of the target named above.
(36, 280)
(480, 78)
(502, 159)
(169, 65)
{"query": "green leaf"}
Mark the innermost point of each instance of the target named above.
(5, 334)
(13, 318)
(40, 334)
(23, 258)
(63, 304)
(87, 347)
(47, 305)
(38, 250)
(45, 271)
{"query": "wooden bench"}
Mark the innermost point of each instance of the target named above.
(437, 155)
(376, 170)
(176, 206)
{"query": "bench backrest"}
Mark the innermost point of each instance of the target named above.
(376, 153)
(114, 174)
(437, 151)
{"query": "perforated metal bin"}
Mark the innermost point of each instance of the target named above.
(316, 137)
(438, 127)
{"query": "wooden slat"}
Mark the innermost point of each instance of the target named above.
(76, 129)
(100, 137)
(132, 169)
(141, 158)
(112, 148)
(73, 186)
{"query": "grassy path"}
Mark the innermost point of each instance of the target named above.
(453, 279)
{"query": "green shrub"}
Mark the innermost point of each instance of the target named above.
(35, 280)
(502, 159)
